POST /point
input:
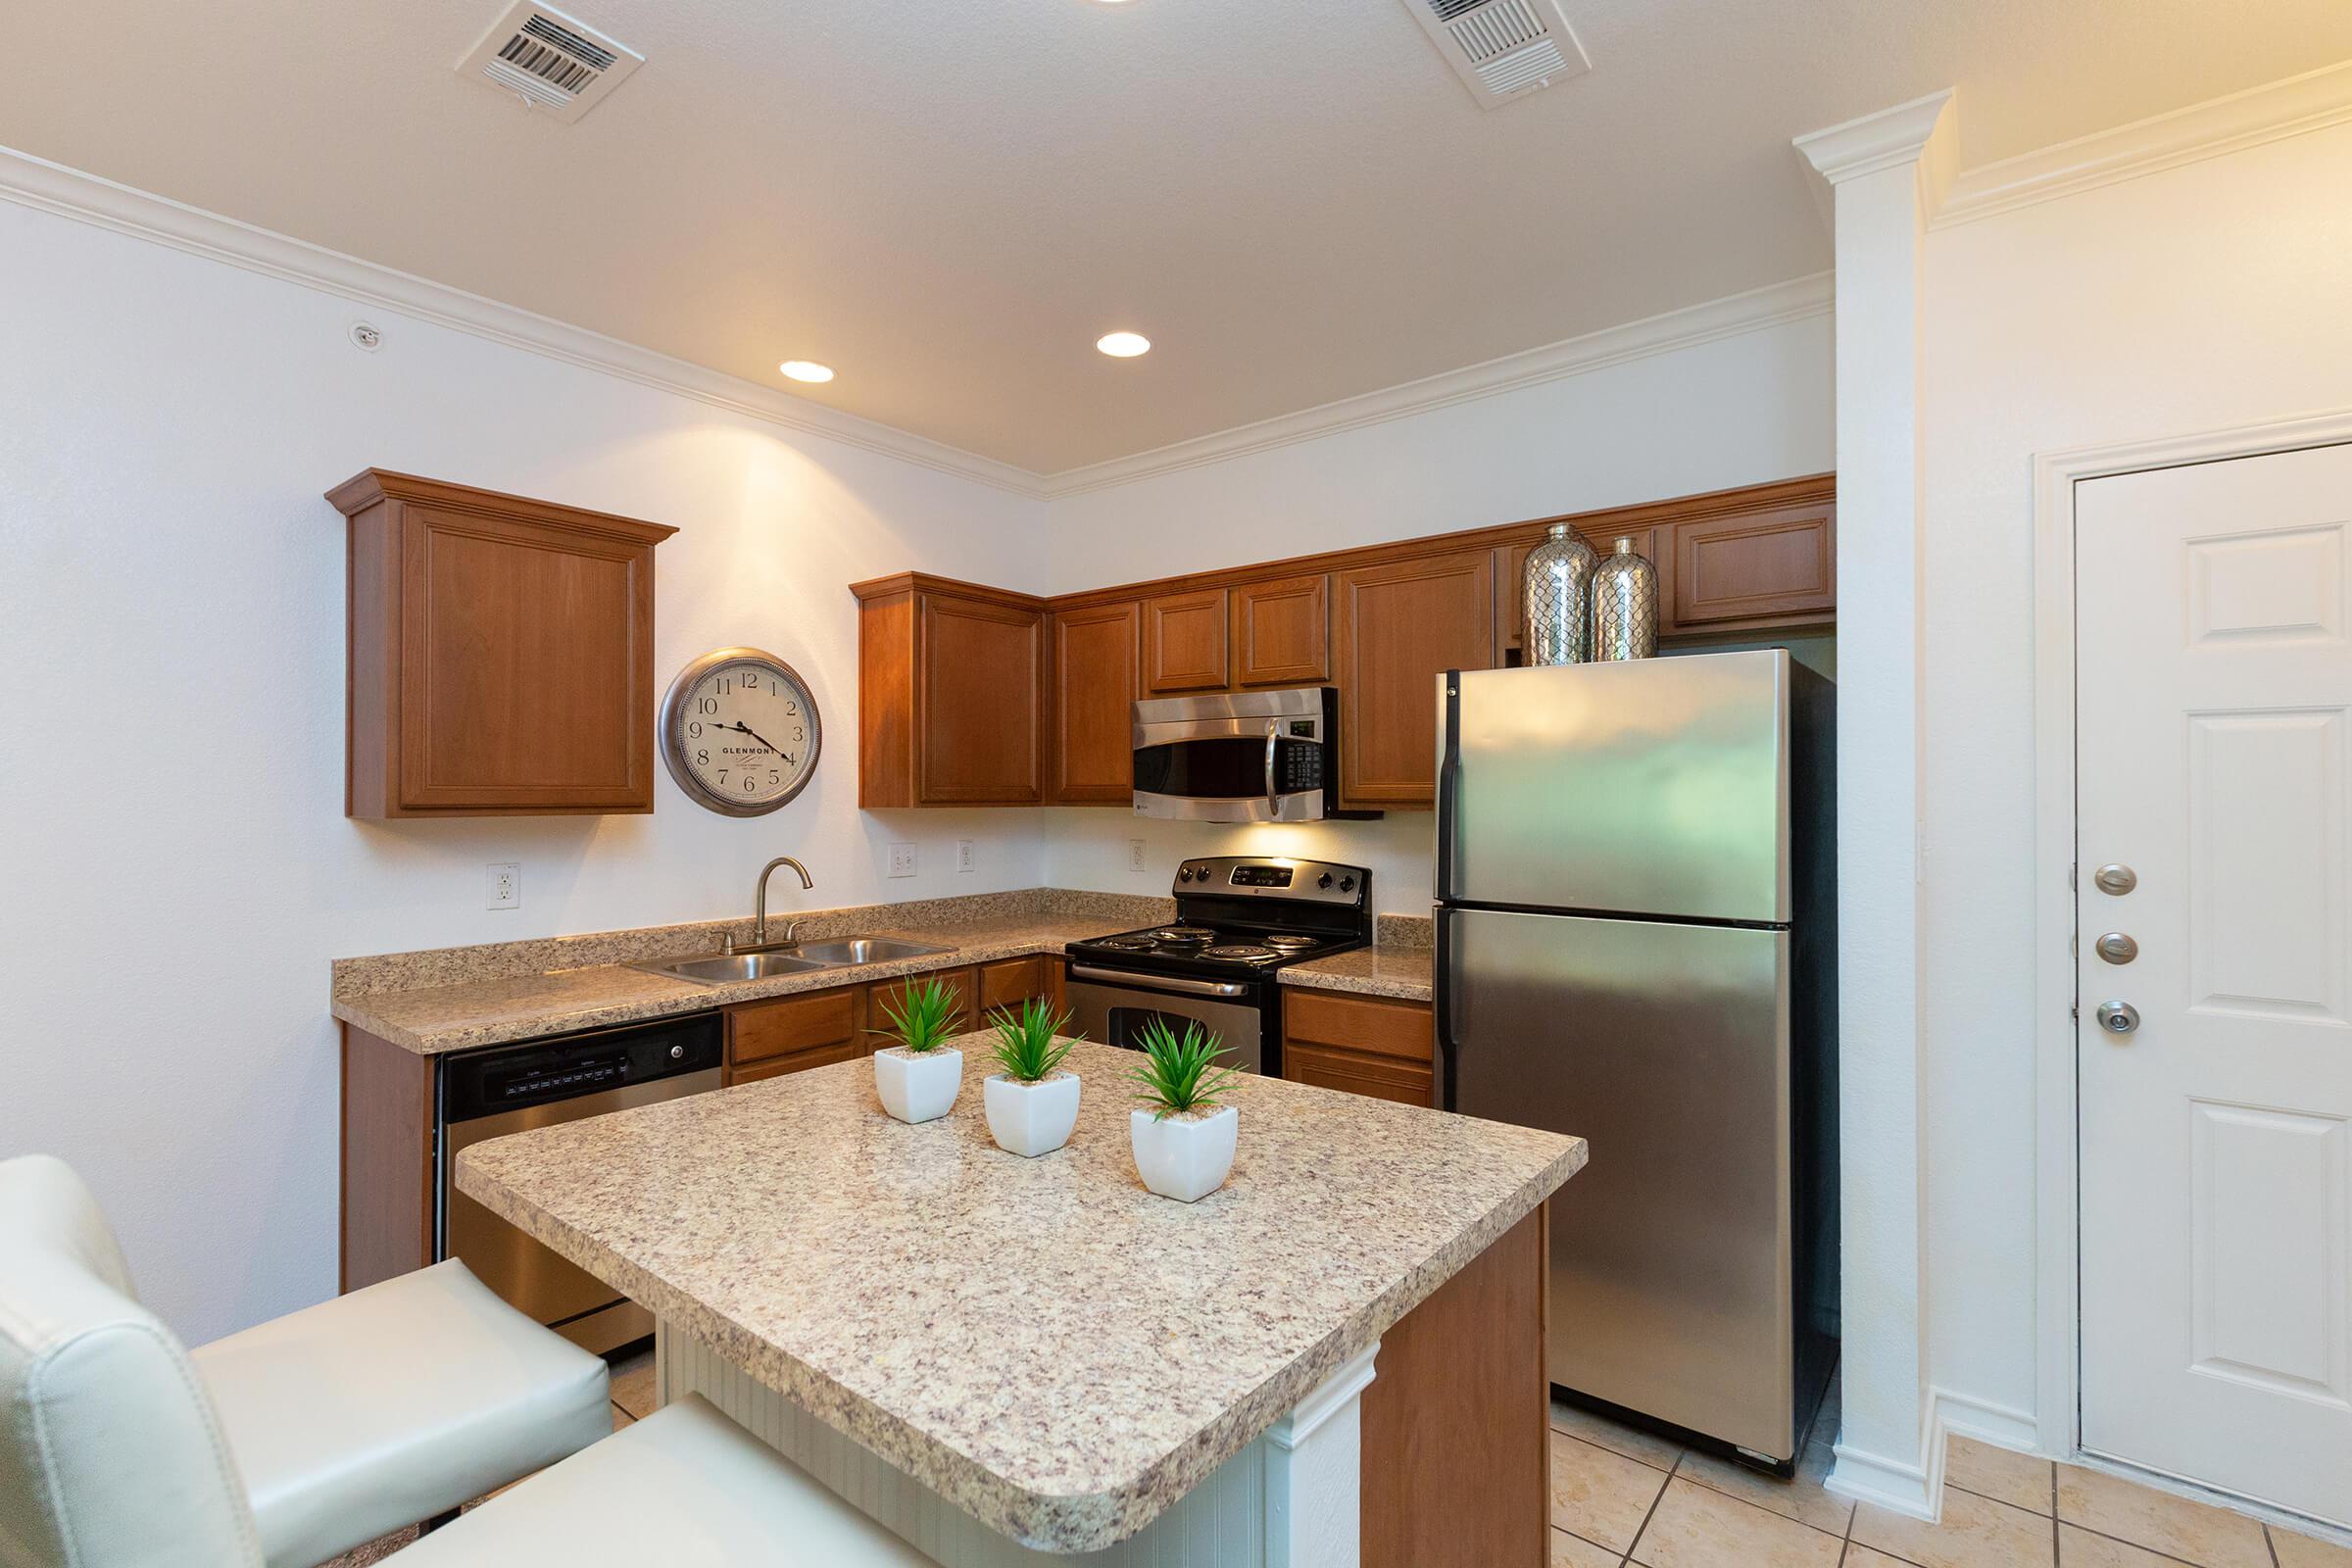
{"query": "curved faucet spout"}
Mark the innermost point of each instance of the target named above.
(759, 899)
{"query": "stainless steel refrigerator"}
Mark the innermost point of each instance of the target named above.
(1637, 943)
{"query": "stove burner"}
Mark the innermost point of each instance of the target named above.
(1185, 933)
(1124, 943)
(1292, 943)
(1237, 951)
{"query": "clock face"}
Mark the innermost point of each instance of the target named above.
(739, 731)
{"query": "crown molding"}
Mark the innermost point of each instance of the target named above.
(36, 183)
(1774, 305)
(2272, 112)
(1886, 139)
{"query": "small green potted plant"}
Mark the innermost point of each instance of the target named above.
(1183, 1138)
(1032, 1099)
(917, 1078)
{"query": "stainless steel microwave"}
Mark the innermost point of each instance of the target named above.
(1238, 756)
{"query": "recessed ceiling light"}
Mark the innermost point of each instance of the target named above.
(1123, 345)
(807, 371)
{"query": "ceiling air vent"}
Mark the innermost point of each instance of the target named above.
(1502, 48)
(551, 61)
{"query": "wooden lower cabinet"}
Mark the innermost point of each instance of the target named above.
(1008, 983)
(884, 997)
(791, 1034)
(1456, 1445)
(1364, 1045)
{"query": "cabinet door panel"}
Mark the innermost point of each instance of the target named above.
(1762, 565)
(982, 680)
(1184, 642)
(526, 667)
(1358, 1073)
(1282, 632)
(1096, 682)
(1404, 1030)
(789, 1025)
(1399, 626)
(1009, 982)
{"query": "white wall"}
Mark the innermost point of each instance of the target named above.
(2208, 296)
(171, 772)
(1738, 410)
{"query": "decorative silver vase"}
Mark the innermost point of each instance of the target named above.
(1625, 605)
(1556, 592)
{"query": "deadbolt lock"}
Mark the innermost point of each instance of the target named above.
(2118, 1018)
(2115, 948)
(2116, 879)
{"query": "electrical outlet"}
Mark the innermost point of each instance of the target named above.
(902, 859)
(504, 886)
(1135, 855)
(963, 855)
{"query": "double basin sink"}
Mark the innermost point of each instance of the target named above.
(782, 958)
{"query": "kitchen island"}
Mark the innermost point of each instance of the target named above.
(1006, 1359)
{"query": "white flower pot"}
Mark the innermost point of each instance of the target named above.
(1184, 1157)
(1030, 1119)
(919, 1085)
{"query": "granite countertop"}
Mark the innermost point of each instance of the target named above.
(1383, 969)
(1052, 1347)
(431, 1019)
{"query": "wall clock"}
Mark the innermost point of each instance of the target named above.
(740, 731)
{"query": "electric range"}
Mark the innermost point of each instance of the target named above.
(1239, 919)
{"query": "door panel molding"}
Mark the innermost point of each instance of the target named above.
(2057, 1035)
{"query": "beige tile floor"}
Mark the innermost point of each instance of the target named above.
(1621, 1497)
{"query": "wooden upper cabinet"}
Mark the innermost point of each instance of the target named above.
(1282, 632)
(1397, 626)
(500, 654)
(1755, 568)
(951, 694)
(1096, 682)
(1184, 642)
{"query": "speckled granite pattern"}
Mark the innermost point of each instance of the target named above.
(1404, 931)
(500, 960)
(433, 1020)
(1380, 971)
(1043, 1342)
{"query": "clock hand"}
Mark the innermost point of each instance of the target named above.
(744, 729)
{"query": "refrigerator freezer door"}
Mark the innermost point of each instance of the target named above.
(1667, 1049)
(1655, 786)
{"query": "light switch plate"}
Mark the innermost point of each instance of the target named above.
(502, 886)
(964, 860)
(902, 859)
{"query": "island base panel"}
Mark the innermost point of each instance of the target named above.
(1291, 1500)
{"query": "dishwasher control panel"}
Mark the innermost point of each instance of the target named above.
(537, 1072)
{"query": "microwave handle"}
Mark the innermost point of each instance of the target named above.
(1273, 796)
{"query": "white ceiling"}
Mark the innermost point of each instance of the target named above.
(949, 201)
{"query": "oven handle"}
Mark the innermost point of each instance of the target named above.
(1167, 983)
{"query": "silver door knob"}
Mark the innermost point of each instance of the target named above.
(2116, 879)
(2118, 1018)
(677, 1052)
(2115, 948)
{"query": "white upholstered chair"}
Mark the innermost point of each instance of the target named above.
(291, 1443)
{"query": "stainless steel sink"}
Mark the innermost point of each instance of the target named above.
(780, 958)
(866, 950)
(729, 968)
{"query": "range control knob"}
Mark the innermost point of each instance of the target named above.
(1184, 874)
(1324, 880)
(1347, 884)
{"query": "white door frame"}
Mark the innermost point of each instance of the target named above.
(2057, 1034)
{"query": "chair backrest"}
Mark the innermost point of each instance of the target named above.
(109, 1455)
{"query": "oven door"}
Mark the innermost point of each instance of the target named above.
(1233, 756)
(1112, 1007)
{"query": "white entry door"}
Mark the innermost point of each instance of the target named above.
(2215, 762)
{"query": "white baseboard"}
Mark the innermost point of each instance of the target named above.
(1913, 1483)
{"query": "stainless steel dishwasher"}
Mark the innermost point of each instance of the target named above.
(513, 1089)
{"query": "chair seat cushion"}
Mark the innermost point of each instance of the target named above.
(684, 1488)
(394, 1403)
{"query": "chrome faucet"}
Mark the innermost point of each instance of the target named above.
(760, 901)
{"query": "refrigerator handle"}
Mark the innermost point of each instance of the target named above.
(1449, 762)
(1449, 767)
